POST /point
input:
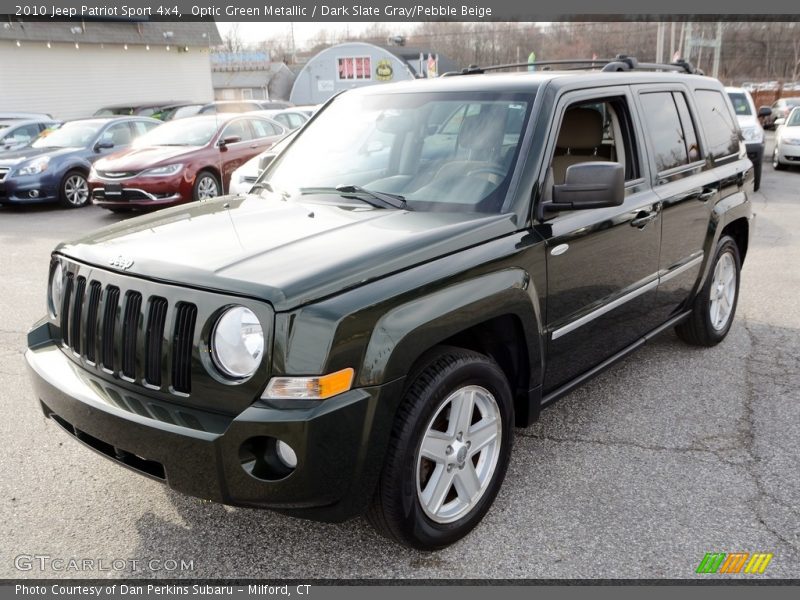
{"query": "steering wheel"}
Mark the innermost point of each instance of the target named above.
(501, 173)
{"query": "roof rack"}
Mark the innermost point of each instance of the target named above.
(621, 62)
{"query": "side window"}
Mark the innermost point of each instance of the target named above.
(264, 129)
(239, 129)
(25, 134)
(282, 119)
(295, 121)
(665, 130)
(142, 127)
(722, 135)
(596, 131)
(118, 134)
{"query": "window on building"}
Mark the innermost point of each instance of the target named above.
(354, 68)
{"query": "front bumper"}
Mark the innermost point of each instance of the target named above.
(29, 189)
(140, 192)
(340, 443)
(789, 153)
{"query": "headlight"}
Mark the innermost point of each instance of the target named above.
(790, 141)
(168, 170)
(56, 289)
(237, 343)
(34, 167)
(752, 134)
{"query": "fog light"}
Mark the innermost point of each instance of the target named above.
(33, 194)
(286, 454)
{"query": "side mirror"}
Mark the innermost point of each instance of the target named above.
(589, 185)
(265, 161)
(779, 121)
(228, 139)
(764, 111)
(103, 146)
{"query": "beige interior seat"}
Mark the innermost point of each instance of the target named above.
(579, 139)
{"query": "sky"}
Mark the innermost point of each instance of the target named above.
(251, 32)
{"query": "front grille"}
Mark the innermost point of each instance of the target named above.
(182, 347)
(151, 336)
(119, 319)
(117, 174)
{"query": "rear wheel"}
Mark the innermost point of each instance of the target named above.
(715, 304)
(74, 190)
(448, 452)
(206, 185)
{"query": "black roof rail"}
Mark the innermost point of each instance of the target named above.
(621, 62)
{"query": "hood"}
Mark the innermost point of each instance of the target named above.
(285, 252)
(16, 157)
(748, 121)
(137, 159)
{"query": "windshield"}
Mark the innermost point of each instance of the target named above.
(186, 132)
(440, 151)
(75, 134)
(740, 103)
(794, 118)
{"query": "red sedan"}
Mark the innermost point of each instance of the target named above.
(181, 161)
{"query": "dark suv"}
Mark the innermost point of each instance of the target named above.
(424, 267)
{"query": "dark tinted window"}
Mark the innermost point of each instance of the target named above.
(721, 133)
(665, 130)
(740, 103)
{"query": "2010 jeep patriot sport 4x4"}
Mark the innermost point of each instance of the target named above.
(424, 267)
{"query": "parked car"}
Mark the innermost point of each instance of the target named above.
(18, 133)
(780, 110)
(289, 118)
(178, 111)
(143, 109)
(787, 142)
(363, 337)
(184, 160)
(752, 132)
(240, 106)
(55, 167)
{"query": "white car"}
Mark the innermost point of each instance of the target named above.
(752, 132)
(243, 178)
(787, 142)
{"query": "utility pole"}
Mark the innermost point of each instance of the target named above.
(660, 42)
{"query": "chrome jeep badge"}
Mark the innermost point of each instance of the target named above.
(121, 262)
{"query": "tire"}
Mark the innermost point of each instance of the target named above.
(73, 192)
(757, 168)
(776, 164)
(206, 185)
(407, 505)
(714, 306)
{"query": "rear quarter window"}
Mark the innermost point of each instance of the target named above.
(722, 135)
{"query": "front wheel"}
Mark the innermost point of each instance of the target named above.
(74, 190)
(206, 185)
(448, 452)
(715, 304)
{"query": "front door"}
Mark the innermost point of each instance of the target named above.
(602, 264)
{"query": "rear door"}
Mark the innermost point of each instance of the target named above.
(236, 154)
(602, 264)
(687, 183)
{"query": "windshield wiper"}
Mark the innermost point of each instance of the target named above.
(383, 199)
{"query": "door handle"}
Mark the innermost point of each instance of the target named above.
(254, 145)
(706, 194)
(643, 218)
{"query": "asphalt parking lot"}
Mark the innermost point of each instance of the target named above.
(673, 453)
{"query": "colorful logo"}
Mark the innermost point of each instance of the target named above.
(735, 562)
(384, 71)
